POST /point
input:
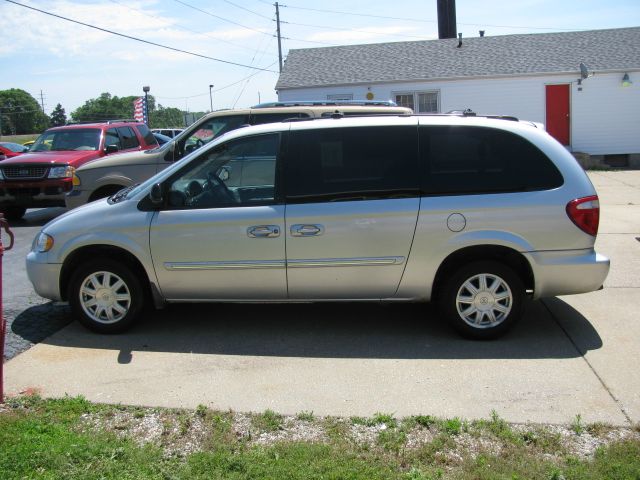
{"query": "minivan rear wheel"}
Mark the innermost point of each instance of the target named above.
(106, 296)
(482, 299)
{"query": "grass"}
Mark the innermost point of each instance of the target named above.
(53, 439)
(19, 138)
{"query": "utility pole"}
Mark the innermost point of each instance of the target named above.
(42, 101)
(279, 39)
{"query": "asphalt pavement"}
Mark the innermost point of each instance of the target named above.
(570, 355)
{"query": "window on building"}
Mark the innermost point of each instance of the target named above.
(419, 102)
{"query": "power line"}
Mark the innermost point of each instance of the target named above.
(140, 39)
(326, 27)
(222, 18)
(246, 9)
(182, 26)
(418, 20)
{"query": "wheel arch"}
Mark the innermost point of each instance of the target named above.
(90, 252)
(508, 256)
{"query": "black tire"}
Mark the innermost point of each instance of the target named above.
(13, 213)
(491, 311)
(109, 314)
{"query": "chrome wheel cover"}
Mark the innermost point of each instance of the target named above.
(105, 297)
(484, 301)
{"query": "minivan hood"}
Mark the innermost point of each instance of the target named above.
(63, 157)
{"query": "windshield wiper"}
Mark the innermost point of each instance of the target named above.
(121, 194)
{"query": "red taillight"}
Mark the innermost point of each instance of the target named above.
(585, 213)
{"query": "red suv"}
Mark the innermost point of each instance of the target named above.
(42, 176)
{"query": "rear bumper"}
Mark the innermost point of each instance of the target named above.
(567, 272)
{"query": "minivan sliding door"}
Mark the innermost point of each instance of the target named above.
(352, 199)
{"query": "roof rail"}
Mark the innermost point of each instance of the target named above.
(327, 103)
(108, 122)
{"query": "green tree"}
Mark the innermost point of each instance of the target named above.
(166, 117)
(58, 116)
(108, 107)
(20, 113)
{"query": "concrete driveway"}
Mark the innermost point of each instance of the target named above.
(570, 355)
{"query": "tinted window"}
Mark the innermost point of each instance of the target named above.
(236, 173)
(352, 164)
(210, 129)
(145, 133)
(483, 160)
(111, 137)
(129, 139)
(259, 119)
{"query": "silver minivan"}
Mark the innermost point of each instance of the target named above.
(474, 213)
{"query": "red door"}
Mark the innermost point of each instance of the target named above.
(558, 113)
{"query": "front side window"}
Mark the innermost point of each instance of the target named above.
(361, 163)
(111, 137)
(210, 129)
(462, 160)
(237, 173)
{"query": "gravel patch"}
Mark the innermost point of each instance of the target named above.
(182, 432)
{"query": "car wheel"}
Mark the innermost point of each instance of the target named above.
(106, 296)
(13, 213)
(483, 299)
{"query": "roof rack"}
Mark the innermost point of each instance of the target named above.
(327, 103)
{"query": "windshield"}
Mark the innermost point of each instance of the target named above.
(68, 139)
(14, 147)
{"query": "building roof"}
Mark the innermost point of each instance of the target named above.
(508, 55)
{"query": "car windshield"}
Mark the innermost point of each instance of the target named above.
(68, 139)
(14, 147)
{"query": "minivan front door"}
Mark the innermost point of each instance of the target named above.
(220, 234)
(352, 206)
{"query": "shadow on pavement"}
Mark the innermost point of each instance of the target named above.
(354, 330)
(38, 217)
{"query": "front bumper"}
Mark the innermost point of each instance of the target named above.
(567, 272)
(44, 193)
(45, 277)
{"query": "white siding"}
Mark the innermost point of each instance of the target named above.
(605, 117)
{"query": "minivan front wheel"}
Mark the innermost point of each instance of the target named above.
(106, 296)
(483, 299)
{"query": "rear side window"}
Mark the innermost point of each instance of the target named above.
(145, 133)
(129, 139)
(352, 164)
(461, 160)
(259, 119)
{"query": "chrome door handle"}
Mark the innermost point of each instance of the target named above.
(306, 230)
(263, 231)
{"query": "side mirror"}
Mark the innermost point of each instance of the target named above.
(111, 149)
(156, 194)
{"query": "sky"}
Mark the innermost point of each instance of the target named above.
(232, 44)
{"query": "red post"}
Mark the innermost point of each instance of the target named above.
(3, 323)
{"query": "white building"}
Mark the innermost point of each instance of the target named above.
(534, 77)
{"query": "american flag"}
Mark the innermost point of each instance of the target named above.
(140, 110)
